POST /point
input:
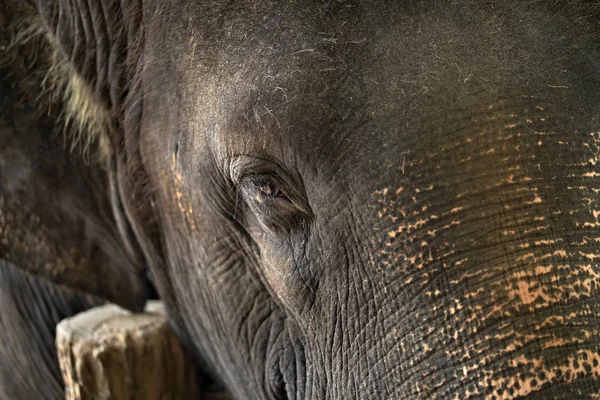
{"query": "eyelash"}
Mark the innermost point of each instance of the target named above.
(267, 196)
(265, 187)
(268, 189)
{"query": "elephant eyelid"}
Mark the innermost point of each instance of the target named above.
(263, 188)
(267, 187)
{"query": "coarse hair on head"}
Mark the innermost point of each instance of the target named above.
(86, 121)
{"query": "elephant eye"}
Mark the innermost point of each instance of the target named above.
(273, 204)
(264, 188)
(271, 198)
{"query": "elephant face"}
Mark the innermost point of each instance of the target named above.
(370, 199)
(377, 200)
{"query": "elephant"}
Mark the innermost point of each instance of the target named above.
(351, 199)
(29, 368)
(55, 216)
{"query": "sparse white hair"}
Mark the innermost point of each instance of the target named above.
(87, 121)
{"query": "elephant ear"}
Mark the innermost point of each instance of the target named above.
(92, 51)
(60, 92)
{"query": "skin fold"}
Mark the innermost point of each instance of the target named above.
(358, 199)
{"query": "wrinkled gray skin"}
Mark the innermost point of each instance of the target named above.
(31, 308)
(361, 199)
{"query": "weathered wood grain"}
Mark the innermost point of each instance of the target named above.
(109, 353)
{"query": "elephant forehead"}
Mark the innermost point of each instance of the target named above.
(330, 83)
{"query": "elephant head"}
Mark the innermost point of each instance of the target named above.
(359, 199)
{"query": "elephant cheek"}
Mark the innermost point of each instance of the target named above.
(276, 271)
(283, 279)
(277, 280)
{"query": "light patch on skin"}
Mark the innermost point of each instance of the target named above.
(494, 255)
(536, 199)
(584, 364)
(183, 203)
(527, 294)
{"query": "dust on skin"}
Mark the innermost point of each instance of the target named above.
(25, 241)
(488, 249)
(183, 202)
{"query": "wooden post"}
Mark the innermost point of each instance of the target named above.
(109, 353)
